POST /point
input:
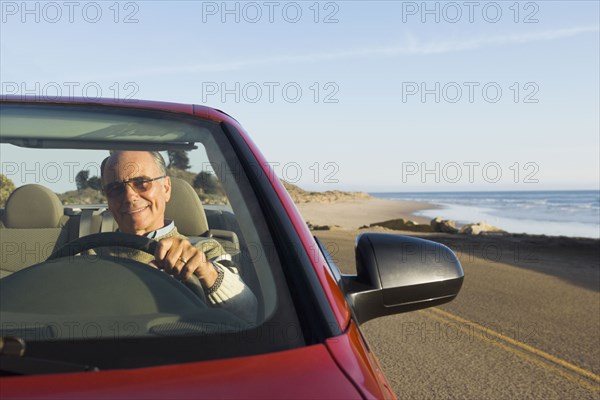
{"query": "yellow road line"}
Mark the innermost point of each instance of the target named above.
(521, 345)
(525, 355)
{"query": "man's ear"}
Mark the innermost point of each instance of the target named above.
(167, 188)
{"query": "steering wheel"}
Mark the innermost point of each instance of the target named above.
(119, 239)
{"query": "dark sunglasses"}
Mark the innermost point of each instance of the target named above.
(140, 184)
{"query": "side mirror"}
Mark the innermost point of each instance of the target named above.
(396, 274)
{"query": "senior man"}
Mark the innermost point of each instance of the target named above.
(137, 189)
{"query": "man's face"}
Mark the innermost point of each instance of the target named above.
(142, 212)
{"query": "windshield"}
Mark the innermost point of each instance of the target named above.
(74, 284)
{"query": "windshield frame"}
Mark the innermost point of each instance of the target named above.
(312, 323)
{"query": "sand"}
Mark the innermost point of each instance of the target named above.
(354, 214)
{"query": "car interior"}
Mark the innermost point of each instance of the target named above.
(34, 223)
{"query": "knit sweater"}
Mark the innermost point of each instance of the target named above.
(232, 294)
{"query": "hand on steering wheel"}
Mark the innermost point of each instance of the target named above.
(119, 239)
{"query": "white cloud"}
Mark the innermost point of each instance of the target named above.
(412, 47)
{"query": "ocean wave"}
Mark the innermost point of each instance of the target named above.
(568, 213)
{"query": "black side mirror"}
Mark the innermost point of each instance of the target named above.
(398, 273)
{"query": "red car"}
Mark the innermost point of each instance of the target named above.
(76, 324)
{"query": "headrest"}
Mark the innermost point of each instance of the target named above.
(33, 206)
(185, 209)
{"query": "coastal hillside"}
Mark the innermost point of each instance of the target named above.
(300, 195)
(212, 194)
(206, 186)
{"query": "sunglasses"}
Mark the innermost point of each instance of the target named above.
(140, 184)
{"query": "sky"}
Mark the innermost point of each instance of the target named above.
(351, 95)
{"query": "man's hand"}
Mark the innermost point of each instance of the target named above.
(181, 259)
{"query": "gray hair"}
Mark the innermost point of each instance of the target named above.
(159, 161)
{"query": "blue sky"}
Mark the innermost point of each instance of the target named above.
(354, 95)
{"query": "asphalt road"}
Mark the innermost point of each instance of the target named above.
(526, 323)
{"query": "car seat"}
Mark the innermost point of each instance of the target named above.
(33, 226)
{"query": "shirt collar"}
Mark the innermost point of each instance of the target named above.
(169, 226)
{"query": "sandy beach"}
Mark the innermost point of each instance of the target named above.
(353, 214)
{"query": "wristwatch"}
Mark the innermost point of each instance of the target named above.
(218, 281)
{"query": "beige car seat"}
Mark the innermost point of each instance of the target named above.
(33, 226)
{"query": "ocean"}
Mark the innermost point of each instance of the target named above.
(574, 213)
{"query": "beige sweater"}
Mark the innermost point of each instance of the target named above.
(232, 295)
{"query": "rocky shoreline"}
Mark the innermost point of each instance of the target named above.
(338, 210)
(437, 225)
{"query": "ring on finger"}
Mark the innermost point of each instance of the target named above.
(183, 260)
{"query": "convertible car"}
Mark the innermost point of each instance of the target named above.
(75, 323)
